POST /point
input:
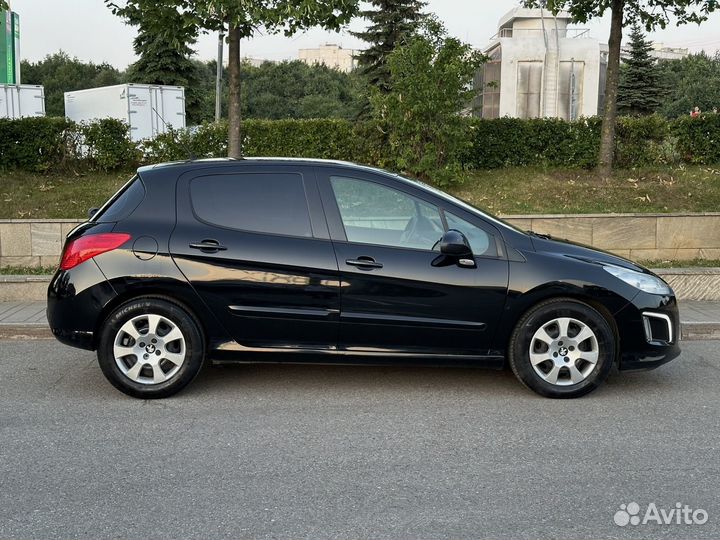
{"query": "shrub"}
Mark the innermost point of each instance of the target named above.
(106, 145)
(37, 144)
(640, 140)
(698, 139)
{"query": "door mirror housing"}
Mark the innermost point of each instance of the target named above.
(455, 244)
(92, 212)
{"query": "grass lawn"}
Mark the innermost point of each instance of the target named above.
(504, 191)
(568, 191)
(27, 195)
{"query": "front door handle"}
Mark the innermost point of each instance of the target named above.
(208, 246)
(364, 262)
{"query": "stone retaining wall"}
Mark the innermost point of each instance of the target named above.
(636, 236)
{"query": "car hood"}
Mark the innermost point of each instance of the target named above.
(566, 248)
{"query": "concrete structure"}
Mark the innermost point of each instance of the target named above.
(541, 68)
(643, 237)
(331, 55)
(660, 52)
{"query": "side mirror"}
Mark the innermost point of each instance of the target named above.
(454, 244)
(92, 212)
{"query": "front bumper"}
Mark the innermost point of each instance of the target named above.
(649, 329)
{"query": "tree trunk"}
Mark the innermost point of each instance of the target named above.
(607, 134)
(234, 142)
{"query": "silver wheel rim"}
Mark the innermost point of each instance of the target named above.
(564, 351)
(149, 349)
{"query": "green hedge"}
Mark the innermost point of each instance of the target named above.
(46, 144)
(698, 139)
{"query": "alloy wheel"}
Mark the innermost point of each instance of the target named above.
(149, 349)
(564, 351)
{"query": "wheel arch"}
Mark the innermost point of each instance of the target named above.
(524, 303)
(182, 296)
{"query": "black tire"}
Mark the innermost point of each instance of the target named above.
(539, 316)
(192, 349)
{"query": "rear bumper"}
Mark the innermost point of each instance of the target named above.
(649, 332)
(75, 301)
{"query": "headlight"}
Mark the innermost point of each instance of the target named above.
(644, 282)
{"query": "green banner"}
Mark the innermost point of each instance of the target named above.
(9, 48)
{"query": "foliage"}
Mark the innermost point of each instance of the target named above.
(690, 82)
(164, 57)
(297, 90)
(56, 144)
(243, 18)
(36, 144)
(106, 145)
(47, 144)
(649, 13)
(507, 142)
(639, 91)
(391, 22)
(430, 85)
(698, 139)
(323, 138)
(59, 73)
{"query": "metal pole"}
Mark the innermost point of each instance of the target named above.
(218, 76)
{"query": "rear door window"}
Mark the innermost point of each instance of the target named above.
(272, 203)
(122, 204)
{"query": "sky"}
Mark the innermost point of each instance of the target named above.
(88, 30)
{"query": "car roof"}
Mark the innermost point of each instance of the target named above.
(191, 164)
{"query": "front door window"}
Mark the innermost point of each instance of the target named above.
(375, 214)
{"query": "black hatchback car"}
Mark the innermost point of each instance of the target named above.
(289, 260)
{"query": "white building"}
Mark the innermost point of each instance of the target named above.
(331, 55)
(541, 68)
(660, 52)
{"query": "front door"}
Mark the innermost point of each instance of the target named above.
(253, 243)
(398, 293)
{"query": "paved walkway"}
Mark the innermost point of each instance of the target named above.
(700, 320)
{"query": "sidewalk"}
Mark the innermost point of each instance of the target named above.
(699, 320)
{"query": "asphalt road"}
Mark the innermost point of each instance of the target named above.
(351, 452)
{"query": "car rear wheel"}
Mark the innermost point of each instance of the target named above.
(562, 349)
(150, 348)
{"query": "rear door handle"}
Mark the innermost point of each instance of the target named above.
(364, 262)
(208, 246)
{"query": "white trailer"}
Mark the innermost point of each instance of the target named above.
(18, 101)
(148, 109)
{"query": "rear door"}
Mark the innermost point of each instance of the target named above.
(253, 242)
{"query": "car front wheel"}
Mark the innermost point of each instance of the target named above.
(150, 348)
(562, 349)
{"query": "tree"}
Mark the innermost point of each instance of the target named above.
(164, 57)
(690, 82)
(59, 73)
(639, 92)
(650, 13)
(244, 18)
(430, 86)
(390, 24)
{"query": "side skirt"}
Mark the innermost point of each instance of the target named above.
(225, 354)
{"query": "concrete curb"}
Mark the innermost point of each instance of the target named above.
(689, 331)
(23, 288)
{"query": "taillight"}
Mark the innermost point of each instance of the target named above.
(87, 247)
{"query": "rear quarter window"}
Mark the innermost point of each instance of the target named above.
(122, 204)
